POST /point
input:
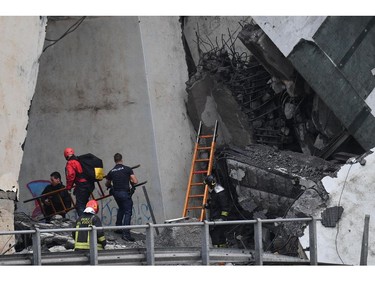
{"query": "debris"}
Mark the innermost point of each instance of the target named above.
(331, 216)
(180, 236)
(63, 241)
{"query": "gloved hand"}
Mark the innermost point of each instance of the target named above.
(206, 206)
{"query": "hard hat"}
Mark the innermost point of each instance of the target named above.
(68, 151)
(92, 204)
(210, 180)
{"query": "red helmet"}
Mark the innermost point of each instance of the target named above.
(68, 151)
(93, 204)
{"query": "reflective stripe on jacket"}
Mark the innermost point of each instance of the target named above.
(82, 238)
(219, 204)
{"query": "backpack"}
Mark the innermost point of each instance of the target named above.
(92, 167)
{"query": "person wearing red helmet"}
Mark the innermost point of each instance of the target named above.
(75, 178)
(89, 218)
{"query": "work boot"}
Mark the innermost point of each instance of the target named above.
(128, 238)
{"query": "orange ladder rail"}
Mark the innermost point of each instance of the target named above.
(203, 173)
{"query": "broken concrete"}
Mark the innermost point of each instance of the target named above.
(270, 109)
(7, 224)
(316, 128)
(180, 236)
(63, 241)
(331, 216)
(209, 101)
(265, 182)
(266, 52)
(11, 195)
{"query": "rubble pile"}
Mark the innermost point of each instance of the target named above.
(259, 95)
(63, 241)
(284, 161)
(180, 236)
(265, 182)
(276, 146)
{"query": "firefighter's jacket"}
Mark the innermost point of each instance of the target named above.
(82, 238)
(218, 203)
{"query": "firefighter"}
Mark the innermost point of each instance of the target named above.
(88, 219)
(219, 207)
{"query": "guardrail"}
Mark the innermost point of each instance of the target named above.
(206, 250)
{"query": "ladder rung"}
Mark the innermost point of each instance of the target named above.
(196, 195)
(194, 208)
(200, 172)
(202, 160)
(203, 147)
(206, 136)
(197, 183)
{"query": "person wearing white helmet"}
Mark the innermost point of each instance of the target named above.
(89, 218)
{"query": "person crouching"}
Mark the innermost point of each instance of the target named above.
(88, 219)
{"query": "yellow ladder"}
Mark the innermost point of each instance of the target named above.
(197, 191)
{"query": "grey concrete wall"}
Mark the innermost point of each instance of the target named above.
(166, 72)
(21, 44)
(115, 84)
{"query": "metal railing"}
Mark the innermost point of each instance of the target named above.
(150, 228)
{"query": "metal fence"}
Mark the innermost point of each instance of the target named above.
(150, 229)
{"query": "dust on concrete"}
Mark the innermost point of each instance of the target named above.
(180, 236)
(288, 162)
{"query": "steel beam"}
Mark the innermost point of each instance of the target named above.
(37, 248)
(313, 243)
(258, 242)
(93, 245)
(364, 248)
(150, 244)
(205, 244)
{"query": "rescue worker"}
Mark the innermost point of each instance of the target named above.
(52, 203)
(219, 207)
(122, 177)
(74, 176)
(88, 219)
